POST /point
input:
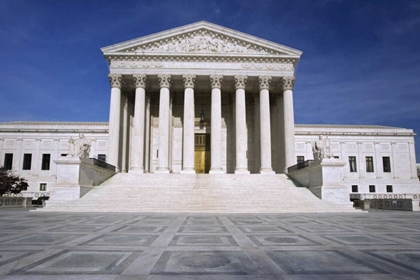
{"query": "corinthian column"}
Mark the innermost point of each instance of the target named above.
(265, 125)
(289, 122)
(116, 82)
(163, 156)
(240, 126)
(189, 125)
(216, 124)
(137, 142)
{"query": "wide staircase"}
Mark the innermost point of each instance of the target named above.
(181, 193)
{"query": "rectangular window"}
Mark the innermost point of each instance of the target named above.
(45, 162)
(43, 187)
(371, 188)
(63, 155)
(27, 161)
(354, 188)
(352, 164)
(102, 157)
(336, 157)
(386, 162)
(300, 159)
(8, 161)
(369, 164)
(389, 188)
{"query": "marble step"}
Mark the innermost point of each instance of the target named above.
(179, 193)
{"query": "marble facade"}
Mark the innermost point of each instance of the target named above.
(233, 89)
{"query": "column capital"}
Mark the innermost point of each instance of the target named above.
(264, 82)
(164, 80)
(216, 81)
(287, 82)
(115, 80)
(140, 80)
(240, 81)
(189, 80)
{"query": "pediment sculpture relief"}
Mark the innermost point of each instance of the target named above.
(201, 42)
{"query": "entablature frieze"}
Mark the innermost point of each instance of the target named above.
(123, 62)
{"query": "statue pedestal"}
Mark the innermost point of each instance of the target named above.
(75, 177)
(324, 178)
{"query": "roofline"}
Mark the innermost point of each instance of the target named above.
(197, 25)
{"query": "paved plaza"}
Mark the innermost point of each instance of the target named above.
(104, 246)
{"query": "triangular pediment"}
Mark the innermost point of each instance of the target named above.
(201, 38)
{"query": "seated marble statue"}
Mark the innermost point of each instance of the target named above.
(79, 147)
(322, 148)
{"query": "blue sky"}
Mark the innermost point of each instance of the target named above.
(360, 62)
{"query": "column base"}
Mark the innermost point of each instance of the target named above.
(136, 170)
(216, 171)
(188, 171)
(242, 171)
(267, 171)
(162, 170)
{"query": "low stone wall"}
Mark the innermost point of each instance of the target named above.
(15, 202)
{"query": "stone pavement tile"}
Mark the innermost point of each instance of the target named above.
(282, 240)
(359, 239)
(121, 240)
(320, 262)
(141, 229)
(262, 229)
(42, 239)
(203, 240)
(77, 228)
(191, 263)
(80, 262)
(409, 259)
(203, 229)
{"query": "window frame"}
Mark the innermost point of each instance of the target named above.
(27, 162)
(43, 187)
(354, 188)
(353, 164)
(372, 189)
(369, 164)
(386, 164)
(46, 164)
(389, 189)
(8, 161)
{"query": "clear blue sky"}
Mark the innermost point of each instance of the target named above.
(360, 63)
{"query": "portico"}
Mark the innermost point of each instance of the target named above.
(168, 87)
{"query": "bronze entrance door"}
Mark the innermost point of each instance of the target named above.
(202, 153)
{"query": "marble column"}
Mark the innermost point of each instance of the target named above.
(289, 122)
(116, 82)
(280, 134)
(216, 124)
(257, 144)
(147, 136)
(124, 132)
(265, 125)
(164, 109)
(240, 125)
(137, 143)
(189, 125)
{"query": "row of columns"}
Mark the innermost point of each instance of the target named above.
(138, 140)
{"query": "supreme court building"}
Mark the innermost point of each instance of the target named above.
(202, 98)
